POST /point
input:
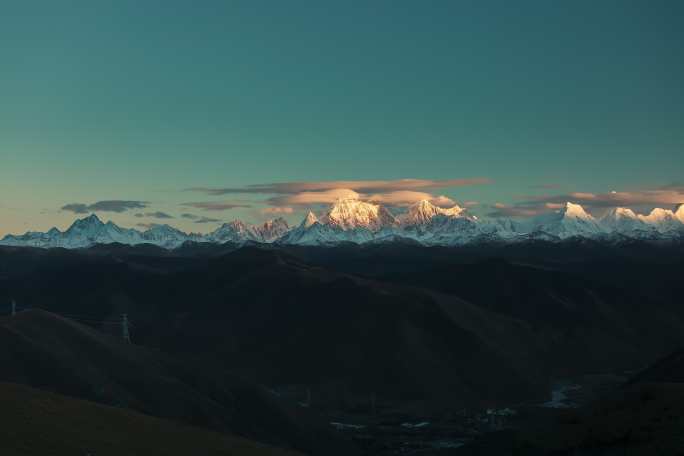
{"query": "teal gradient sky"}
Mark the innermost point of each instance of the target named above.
(139, 100)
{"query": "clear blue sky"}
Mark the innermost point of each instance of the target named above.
(139, 100)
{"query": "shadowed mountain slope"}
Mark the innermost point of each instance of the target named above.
(403, 322)
(44, 350)
(36, 423)
(644, 416)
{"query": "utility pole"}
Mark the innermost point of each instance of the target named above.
(14, 307)
(124, 328)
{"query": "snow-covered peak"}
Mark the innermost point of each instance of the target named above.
(162, 235)
(272, 229)
(235, 231)
(423, 211)
(309, 220)
(277, 223)
(679, 212)
(624, 221)
(349, 214)
(658, 215)
(88, 223)
(568, 222)
(572, 210)
(618, 213)
(163, 229)
(664, 220)
(360, 222)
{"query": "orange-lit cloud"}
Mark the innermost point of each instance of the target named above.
(657, 197)
(397, 192)
(406, 198)
(310, 198)
(398, 198)
(666, 197)
(505, 210)
(277, 210)
(361, 186)
(215, 206)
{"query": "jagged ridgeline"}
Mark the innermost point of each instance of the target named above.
(351, 220)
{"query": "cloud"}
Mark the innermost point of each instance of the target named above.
(198, 219)
(397, 192)
(147, 226)
(309, 198)
(361, 186)
(76, 208)
(523, 209)
(406, 198)
(277, 210)
(104, 206)
(399, 198)
(215, 206)
(641, 198)
(504, 210)
(546, 186)
(677, 186)
(158, 215)
(645, 200)
(206, 220)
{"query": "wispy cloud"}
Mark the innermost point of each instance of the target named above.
(199, 219)
(677, 186)
(158, 215)
(104, 206)
(397, 192)
(215, 206)
(398, 198)
(520, 209)
(311, 198)
(634, 199)
(277, 210)
(546, 186)
(361, 186)
(406, 198)
(663, 197)
(207, 220)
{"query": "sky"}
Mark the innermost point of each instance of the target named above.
(195, 113)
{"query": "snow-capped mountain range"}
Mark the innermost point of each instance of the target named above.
(91, 230)
(351, 220)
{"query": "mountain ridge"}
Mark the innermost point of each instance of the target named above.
(359, 222)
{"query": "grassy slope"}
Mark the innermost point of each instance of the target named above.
(45, 351)
(34, 422)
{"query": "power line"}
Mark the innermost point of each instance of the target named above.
(125, 323)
